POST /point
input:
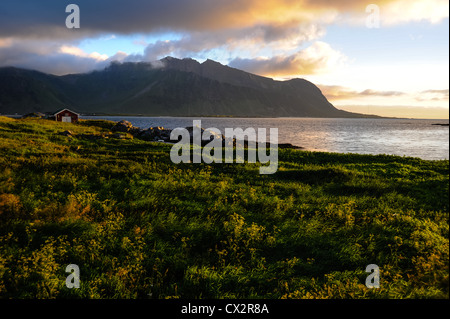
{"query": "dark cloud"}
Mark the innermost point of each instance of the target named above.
(203, 25)
(277, 27)
(46, 18)
(36, 19)
(31, 18)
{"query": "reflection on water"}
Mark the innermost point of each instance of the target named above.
(416, 138)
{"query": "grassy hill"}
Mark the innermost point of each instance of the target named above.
(139, 226)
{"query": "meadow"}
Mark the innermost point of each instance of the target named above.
(140, 226)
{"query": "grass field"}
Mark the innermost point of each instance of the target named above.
(139, 226)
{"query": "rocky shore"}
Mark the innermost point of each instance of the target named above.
(161, 134)
(125, 130)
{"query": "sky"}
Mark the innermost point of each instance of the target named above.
(386, 57)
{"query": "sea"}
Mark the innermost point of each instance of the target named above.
(404, 137)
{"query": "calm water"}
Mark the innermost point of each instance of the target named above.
(416, 138)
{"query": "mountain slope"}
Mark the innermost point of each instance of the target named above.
(171, 87)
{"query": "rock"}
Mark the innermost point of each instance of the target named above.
(146, 135)
(164, 134)
(155, 134)
(135, 131)
(205, 141)
(122, 126)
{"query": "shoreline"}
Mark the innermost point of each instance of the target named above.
(439, 153)
(240, 117)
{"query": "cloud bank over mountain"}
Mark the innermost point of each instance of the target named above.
(32, 33)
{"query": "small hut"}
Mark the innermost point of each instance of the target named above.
(67, 115)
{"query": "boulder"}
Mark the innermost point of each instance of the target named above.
(122, 126)
(155, 134)
(147, 135)
(135, 131)
(212, 135)
(164, 134)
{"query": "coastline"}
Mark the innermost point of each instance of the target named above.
(403, 137)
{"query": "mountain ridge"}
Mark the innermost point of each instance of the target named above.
(168, 87)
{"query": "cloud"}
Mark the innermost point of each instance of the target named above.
(442, 92)
(264, 37)
(403, 11)
(336, 92)
(433, 100)
(400, 111)
(370, 92)
(252, 40)
(46, 18)
(75, 51)
(433, 95)
(50, 57)
(317, 58)
(6, 42)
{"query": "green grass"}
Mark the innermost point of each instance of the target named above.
(139, 226)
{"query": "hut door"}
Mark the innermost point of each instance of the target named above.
(66, 119)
